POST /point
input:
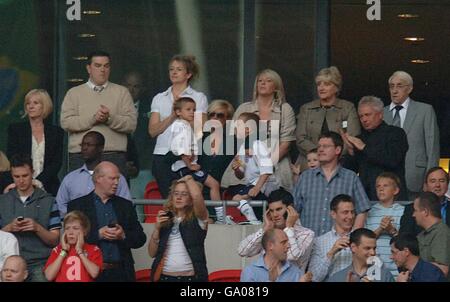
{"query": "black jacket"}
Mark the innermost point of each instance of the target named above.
(385, 151)
(19, 142)
(126, 217)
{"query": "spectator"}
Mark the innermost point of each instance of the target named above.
(405, 254)
(32, 216)
(218, 145)
(281, 215)
(272, 265)
(269, 103)
(178, 241)
(115, 227)
(363, 244)
(420, 124)
(312, 159)
(182, 70)
(99, 105)
(317, 187)
(379, 148)
(384, 217)
(140, 138)
(331, 251)
(79, 182)
(184, 146)
(434, 240)
(328, 113)
(14, 269)
(254, 165)
(436, 181)
(8, 246)
(39, 139)
(73, 260)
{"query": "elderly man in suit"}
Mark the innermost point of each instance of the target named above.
(419, 122)
(114, 224)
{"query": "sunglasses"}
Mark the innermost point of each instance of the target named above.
(217, 115)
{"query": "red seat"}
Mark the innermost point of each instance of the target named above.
(143, 275)
(226, 275)
(233, 211)
(151, 192)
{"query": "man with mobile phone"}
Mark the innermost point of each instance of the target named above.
(331, 251)
(281, 215)
(117, 228)
(32, 216)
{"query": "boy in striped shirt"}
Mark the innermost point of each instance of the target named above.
(384, 217)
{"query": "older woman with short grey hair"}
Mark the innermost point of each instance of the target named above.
(327, 113)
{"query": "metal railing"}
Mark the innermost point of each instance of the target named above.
(209, 203)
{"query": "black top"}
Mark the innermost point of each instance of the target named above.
(19, 142)
(126, 217)
(385, 151)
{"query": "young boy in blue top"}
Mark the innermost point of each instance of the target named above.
(384, 217)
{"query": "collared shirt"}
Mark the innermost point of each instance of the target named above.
(313, 194)
(79, 183)
(258, 272)
(92, 85)
(401, 112)
(341, 276)
(163, 104)
(105, 215)
(434, 244)
(426, 272)
(320, 265)
(300, 241)
(374, 217)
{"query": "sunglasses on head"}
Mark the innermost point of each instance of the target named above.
(217, 115)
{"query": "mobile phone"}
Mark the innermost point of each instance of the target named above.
(20, 218)
(112, 224)
(168, 214)
(285, 215)
(344, 126)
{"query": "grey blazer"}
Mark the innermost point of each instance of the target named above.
(423, 138)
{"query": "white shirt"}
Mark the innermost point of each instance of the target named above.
(182, 142)
(177, 257)
(38, 153)
(163, 104)
(8, 246)
(401, 112)
(92, 85)
(300, 244)
(258, 164)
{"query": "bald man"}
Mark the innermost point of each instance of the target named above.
(14, 269)
(115, 227)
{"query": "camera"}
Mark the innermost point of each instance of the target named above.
(20, 218)
(168, 214)
(112, 224)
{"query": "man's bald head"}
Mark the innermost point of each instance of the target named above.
(14, 269)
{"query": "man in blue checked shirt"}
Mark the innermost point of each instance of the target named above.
(32, 216)
(317, 187)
